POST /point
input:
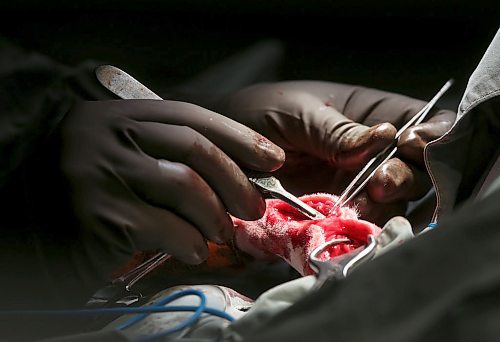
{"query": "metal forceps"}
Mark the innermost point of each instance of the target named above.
(338, 267)
(362, 178)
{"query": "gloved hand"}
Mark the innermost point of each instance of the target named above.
(145, 174)
(329, 131)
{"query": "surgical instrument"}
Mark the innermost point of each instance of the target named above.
(358, 183)
(127, 87)
(339, 266)
(272, 186)
(120, 289)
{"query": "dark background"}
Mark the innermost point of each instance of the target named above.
(412, 48)
(401, 46)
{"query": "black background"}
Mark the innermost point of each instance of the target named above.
(407, 47)
(401, 46)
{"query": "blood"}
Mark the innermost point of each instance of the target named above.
(285, 232)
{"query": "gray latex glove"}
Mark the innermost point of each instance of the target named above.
(329, 131)
(145, 175)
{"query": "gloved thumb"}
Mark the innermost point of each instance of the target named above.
(302, 122)
(345, 144)
(357, 144)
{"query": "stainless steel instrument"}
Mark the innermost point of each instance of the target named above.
(362, 178)
(127, 87)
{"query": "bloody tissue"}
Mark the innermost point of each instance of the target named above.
(285, 232)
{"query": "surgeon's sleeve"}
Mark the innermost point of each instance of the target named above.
(35, 93)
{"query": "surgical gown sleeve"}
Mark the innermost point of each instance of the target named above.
(35, 94)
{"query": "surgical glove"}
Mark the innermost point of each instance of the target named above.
(329, 131)
(145, 174)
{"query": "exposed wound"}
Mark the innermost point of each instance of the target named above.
(285, 232)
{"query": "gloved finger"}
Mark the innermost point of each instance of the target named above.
(176, 187)
(124, 223)
(396, 180)
(185, 145)
(346, 144)
(162, 229)
(412, 142)
(311, 127)
(247, 147)
(372, 106)
(350, 144)
(360, 104)
(361, 143)
(377, 213)
(297, 118)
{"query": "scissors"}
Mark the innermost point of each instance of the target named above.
(127, 87)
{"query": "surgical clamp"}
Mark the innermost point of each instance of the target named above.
(340, 266)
